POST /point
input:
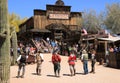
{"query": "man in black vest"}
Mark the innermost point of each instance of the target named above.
(21, 60)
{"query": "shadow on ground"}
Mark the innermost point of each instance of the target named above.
(51, 75)
(34, 73)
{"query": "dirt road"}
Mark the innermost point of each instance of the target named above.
(102, 75)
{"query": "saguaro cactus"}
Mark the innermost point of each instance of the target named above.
(13, 44)
(4, 43)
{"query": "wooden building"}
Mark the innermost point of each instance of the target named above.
(92, 41)
(56, 22)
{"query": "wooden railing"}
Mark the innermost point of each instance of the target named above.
(114, 60)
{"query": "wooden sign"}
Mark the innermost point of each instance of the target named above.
(58, 16)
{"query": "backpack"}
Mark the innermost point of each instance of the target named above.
(38, 57)
(85, 57)
(23, 59)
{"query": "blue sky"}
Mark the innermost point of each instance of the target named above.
(24, 8)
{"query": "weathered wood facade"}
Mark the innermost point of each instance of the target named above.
(92, 41)
(114, 60)
(57, 20)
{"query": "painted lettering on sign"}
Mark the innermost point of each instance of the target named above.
(58, 16)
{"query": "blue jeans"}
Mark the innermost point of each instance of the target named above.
(85, 66)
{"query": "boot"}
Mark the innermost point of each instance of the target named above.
(23, 72)
(18, 74)
(74, 72)
(39, 71)
(58, 73)
(93, 70)
(71, 72)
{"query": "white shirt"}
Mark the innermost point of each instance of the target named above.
(93, 56)
(41, 56)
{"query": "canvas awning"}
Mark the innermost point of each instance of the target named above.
(110, 38)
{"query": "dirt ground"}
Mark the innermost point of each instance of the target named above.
(102, 75)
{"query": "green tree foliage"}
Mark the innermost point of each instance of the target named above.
(112, 20)
(15, 21)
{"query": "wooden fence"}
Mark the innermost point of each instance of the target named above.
(114, 60)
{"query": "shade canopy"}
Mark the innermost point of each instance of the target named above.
(110, 38)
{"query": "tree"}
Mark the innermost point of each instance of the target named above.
(4, 43)
(15, 21)
(112, 20)
(91, 21)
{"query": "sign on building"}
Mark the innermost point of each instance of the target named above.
(58, 16)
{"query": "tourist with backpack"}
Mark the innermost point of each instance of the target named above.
(39, 60)
(56, 59)
(84, 59)
(21, 60)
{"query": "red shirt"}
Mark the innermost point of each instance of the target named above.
(56, 58)
(71, 59)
